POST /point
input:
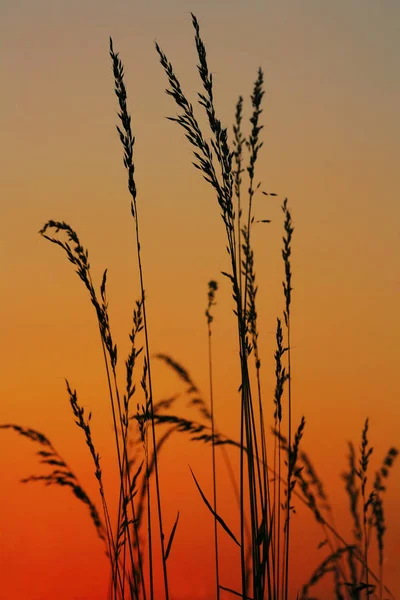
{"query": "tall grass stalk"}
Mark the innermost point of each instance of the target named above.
(212, 288)
(127, 140)
(287, 289)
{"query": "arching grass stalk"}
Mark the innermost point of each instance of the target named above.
(127, 140)
(63, 475)
(78, 256)
(212, 288)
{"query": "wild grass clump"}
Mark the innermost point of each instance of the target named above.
(265, 485)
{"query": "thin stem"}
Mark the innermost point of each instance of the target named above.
(212, 288)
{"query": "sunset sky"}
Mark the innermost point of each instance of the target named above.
(331, 146)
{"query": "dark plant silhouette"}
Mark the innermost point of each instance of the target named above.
(265, 486)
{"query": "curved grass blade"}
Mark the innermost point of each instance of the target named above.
(171, 537)
(210, 508)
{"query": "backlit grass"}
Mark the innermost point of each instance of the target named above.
(274, 472)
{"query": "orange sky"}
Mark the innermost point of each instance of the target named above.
(331, 145)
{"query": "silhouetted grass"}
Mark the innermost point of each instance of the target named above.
(265, 489)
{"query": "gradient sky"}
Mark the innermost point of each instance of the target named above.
(331, 145)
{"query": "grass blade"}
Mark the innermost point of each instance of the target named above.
(210, 508)
(171, 537)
